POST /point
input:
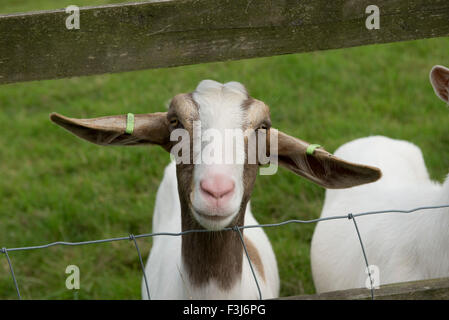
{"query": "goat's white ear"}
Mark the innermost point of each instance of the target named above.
(439, 78)
(320, 166)
(151, 128)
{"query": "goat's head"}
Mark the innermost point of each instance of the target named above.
(216, 190)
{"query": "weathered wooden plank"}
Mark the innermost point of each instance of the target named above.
(135, 36)
(434, 289)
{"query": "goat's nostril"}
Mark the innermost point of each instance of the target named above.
(217, 186)
(206, 190)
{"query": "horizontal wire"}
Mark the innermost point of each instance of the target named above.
(145, 235)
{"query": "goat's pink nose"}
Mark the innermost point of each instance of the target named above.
(217, 186)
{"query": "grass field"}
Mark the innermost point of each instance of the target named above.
(54, 187)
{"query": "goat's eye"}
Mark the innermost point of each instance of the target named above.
(174, 122)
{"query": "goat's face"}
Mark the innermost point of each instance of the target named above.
(216, 173)
(216, 180)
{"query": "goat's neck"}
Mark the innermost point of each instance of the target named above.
(213, 255)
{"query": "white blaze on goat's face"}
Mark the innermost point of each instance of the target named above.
(217, 182)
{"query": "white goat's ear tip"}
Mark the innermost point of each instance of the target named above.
(438, 68)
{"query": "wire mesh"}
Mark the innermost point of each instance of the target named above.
(237, 229)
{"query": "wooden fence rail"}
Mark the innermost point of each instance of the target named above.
(434, 289)
(133, 36)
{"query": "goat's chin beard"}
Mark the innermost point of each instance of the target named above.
(211, 221)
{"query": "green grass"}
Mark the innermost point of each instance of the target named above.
(13, 6)
(54, 187)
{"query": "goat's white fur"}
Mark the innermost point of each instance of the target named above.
(405, 247)
(165, 271)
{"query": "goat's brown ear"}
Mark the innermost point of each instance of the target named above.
(439, 78)
(151, 128)
(320, 166)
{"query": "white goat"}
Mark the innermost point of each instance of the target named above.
(196, 195)
(404, 247)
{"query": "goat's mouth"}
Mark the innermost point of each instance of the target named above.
(212, 220)
(213, 217)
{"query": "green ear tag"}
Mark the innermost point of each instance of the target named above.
(311, 148)
(129, 123)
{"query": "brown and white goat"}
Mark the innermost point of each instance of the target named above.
(198, 195)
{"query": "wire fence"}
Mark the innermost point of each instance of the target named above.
(236, 229)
